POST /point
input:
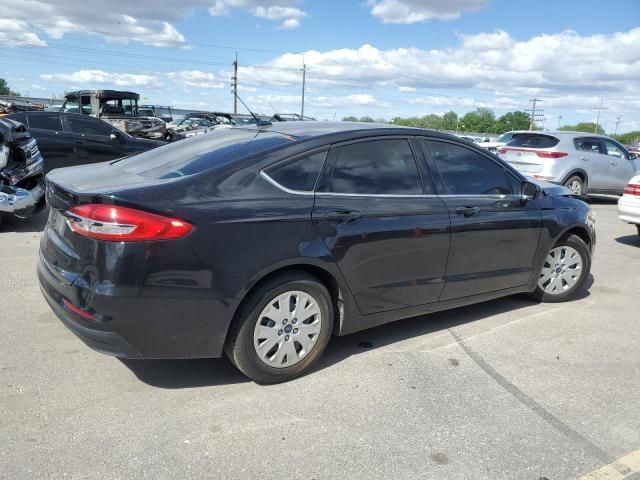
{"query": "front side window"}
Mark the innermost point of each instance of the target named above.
(89, 126)
(613, 149)
(465, 172)
(377, 167)
(588, 144)
(300, 174)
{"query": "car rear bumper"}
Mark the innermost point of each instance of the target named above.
(130, 325)
(629, 209)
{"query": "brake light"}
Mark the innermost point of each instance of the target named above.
(122, 224)
(539, 153)
(632, 189)
(70, 306)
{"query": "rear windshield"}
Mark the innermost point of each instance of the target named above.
(533, 140)
(200, 153)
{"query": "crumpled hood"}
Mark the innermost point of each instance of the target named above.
(11, 130)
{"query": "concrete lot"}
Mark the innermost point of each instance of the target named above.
(508, 389)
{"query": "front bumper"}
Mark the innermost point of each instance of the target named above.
(20, 200)
(629, 209)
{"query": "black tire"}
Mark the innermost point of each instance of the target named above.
(576, 180)
(578, 245)
(239, 346)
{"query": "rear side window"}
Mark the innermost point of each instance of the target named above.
(89, 126)
(45, 122)
(586, 144)
(465, 172)
(202, 152)
(300, 174)
(533, 140)
(378, 167)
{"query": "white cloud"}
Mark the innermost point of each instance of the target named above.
(13, 33)
(405, 89)
(146, 21)
(285, 11)
(415, 11)
(196, 78)
(87, 78)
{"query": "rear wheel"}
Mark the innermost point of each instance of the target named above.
(282, 329)
(564, 271)
(576, 184)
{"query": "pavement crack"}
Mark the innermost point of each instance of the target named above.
(589, 447)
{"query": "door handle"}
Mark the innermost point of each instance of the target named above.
(79, 142)
(343, 216)
(467, 211)
(613, 163)
(584, 158)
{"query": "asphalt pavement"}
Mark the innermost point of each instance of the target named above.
(508, 389)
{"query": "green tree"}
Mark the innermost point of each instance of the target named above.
(583, 127)
(480, 120)
(350, 119)
(450, 121)
(366, 119)
(5, 90)
(512, 121)
(629, 138)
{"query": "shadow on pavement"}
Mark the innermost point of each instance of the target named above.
(603, 199)
(173, 374)
(632, 240)
(35, 223)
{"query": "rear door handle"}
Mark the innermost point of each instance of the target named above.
(613, 163)
(467, 211)
(583, 158)
(343, 216)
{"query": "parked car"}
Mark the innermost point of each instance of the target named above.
(119, 108)
(263, 242)
(21, 178)
(53, 108)
(159, 111)
(494, 146)
(67, 139)
(585, 163)
(629, 203)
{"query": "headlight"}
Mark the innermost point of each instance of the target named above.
(591, 218)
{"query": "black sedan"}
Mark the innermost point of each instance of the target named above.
(262, 242)
(67, 139)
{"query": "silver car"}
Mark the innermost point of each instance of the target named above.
(586, 163)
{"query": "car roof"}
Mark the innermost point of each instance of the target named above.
(104, 93)
(315, 129)
(565, 133)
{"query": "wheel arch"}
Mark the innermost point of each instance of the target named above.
(334, 283)
(579, 172)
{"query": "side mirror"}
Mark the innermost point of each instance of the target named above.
(529, 191)
(633, 156)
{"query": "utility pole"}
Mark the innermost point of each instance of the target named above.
(234, 85)
(532, 123)
(600, 108)
(304, 79)
(618, 118)
(559, 120)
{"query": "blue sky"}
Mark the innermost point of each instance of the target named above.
(365, 57)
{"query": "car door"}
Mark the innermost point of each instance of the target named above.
(620, 168)
(52, 140)
(593, 161)
(378, 217)
(494, 233)
(91, 140)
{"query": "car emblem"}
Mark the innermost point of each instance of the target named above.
(28, 154)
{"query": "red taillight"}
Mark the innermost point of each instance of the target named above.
(70, 306)
(541, 154)
(122, 224)
(632, 189)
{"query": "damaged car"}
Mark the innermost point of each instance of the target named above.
(118, 108)
(21, 178)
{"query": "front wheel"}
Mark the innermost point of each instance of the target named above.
(564, 271)
(281, 329)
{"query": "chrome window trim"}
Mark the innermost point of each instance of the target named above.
(264, 175)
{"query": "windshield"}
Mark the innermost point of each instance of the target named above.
(200, 153)
(533, 140)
